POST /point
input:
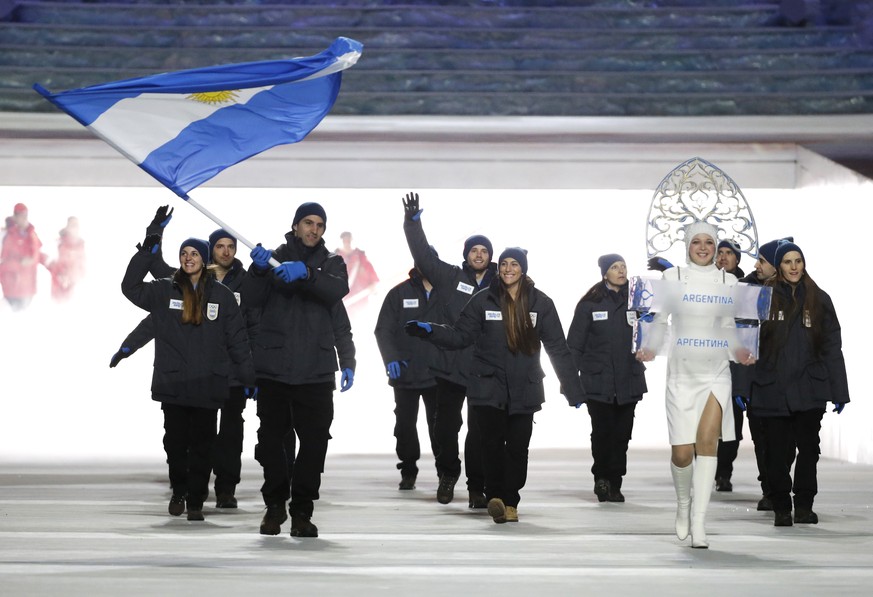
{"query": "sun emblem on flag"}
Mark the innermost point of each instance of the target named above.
(214, 97)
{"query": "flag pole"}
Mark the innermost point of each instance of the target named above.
(222, 224)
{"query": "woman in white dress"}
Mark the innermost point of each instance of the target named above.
(698, 388)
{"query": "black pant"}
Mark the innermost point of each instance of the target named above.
(227, 451)
(406, 426)
(756, 428)
(290, 443)
(727, 451)
(306, 410)
(505, 441)
(450, 403)
(611, 429)
(189, 433)
(784, 435)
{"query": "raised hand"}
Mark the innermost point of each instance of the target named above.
(410, 207)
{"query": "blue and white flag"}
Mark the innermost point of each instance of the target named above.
(185, 127)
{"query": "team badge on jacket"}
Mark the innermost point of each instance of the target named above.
(465, 288)
(211, 311)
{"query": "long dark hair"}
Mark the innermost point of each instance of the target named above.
(520, 333)
(193, 299)
(810, 310)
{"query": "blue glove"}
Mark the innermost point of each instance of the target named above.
(122, 353)
(394, 369)
(419, 329)
(260, 257)
(659, 264)
(838, 407)
(347, 379)
(291, 270)
(251, 392)
(410, 207)
(741, 403)
(162, 217)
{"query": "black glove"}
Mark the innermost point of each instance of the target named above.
(410, 207)
(161, 219)
(151, 244)
(659, 264)
(419, 329)
(122, 353)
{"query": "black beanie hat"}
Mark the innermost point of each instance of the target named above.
(197, 243)
(310, 209)
(768, 250)
(478, 239)
(606, 261)
(218, 235)
(786, 246)
(516, 253)
(732, 245)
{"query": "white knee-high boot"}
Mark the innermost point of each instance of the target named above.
(682, 484)
(704, 473)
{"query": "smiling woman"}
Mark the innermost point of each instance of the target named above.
(198, 330)
(801, 369)
(507, 324)
(698, 392)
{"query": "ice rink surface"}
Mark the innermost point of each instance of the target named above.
(101, 528)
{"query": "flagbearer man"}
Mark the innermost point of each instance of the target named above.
(295, 362)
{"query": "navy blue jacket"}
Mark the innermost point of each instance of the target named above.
(408, 300)
(456, 285)
(293, 339)
(499, 378)
(192, 362)
(792, 374)
(601, 342)
(342, 336)
(144, 332)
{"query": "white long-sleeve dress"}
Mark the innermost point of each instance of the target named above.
(690, 381)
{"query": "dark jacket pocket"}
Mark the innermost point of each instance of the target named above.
(592, 378)
(819, 386)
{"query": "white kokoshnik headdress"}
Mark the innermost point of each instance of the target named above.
(697, 196)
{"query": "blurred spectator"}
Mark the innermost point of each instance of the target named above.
(19, 259)
(69, 267)
(362, 275)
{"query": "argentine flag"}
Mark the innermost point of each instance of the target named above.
(185, 127)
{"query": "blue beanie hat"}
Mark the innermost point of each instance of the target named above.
(197, 243)
(768, 250)
(786, 246)
(478, 239)
(732, 245)
(516, 253)
(218, 235)
(606, 261)
(310, 209)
